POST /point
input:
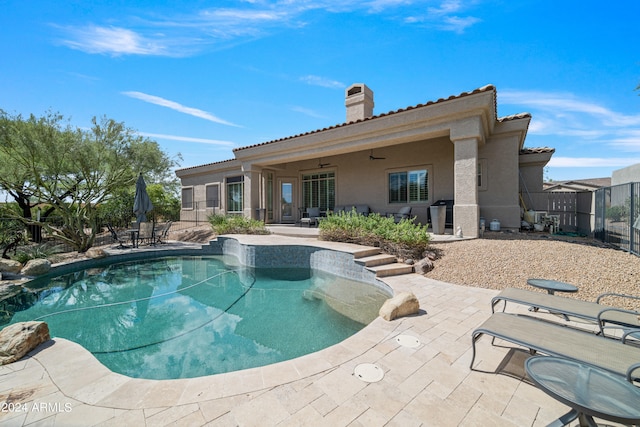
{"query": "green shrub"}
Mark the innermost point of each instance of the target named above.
(404, 239)
(236, 224)
(26, 253)
(617, 213)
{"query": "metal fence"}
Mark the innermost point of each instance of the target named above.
(574, 209)
(617, 216)
(196, 213)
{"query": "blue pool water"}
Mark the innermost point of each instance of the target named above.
(185, 317)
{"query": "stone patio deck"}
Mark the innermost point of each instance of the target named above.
(61, 384)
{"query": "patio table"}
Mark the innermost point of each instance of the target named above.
(588, 391)
(552, 286)
(134, 237)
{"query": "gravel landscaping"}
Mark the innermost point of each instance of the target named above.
(500, 260)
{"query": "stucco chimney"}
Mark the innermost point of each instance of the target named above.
(359, 102)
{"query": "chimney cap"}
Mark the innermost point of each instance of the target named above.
(359, 102)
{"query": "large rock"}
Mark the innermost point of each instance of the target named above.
(10, 266)
(401, 305)
(20, 338)
(36, 267)
(96, 253)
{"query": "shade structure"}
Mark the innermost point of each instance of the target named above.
(142, 203)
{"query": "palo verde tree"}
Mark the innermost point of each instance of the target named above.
(72, 171)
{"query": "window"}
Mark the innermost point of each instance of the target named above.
(187, 198)
(235, 194)
(482, 174)
(319, 190)
(409, 186)
(213, 196)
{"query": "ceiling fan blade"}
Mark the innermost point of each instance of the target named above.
(372, 157)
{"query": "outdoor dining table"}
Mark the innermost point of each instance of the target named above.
(587, 390)
(134, 236)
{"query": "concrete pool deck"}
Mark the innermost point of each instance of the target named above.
(61, 384)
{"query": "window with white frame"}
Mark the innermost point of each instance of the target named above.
(319, 190)
(409, 186)
(235, 194)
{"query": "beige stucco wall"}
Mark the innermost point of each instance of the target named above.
(625, 175)
(498, 199)
(448, 137)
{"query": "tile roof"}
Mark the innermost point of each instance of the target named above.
(537, 150)
(483, 89)
(206, 164)
(486, 88)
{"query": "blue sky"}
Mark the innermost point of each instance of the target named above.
(204, 77)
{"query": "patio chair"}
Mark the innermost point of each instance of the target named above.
(594, 312)
(553, 339)
(146, 233)
(403, 213)
(310, 217)
(163, 232)
(362, 209)
(118, 237)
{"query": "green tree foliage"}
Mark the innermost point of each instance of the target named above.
(71, 172)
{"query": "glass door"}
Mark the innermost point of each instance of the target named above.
(288, 212)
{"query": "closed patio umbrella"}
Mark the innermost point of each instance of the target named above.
(142, 203)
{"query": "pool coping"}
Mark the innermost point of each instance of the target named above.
(427, 385)
(93, 383)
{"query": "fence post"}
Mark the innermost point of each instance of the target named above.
(631, 218)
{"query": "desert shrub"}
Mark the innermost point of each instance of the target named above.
(236, 224)
(404, 239)
(26, 253)
(617, 213)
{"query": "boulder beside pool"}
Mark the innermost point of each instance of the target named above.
(20, 338)
(401, 305)
(36, 267)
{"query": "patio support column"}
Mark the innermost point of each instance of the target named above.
(252, 191)
(467, 135)
(466, 212)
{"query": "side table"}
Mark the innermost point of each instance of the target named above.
(552, 286)
(588, 391)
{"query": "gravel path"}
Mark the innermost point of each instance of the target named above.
(501, 260)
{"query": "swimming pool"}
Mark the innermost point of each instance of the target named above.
(190, 316)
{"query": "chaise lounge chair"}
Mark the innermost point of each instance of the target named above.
(595, 312)
(553, 339)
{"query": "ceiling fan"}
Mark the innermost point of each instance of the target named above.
(372, 157)
(321, 165)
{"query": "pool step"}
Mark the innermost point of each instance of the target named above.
(377, 259)
(394, 269)
(380, 263)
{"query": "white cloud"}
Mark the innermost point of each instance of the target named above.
(223, 27)
(308, 112)
(322, 81)
(591, 162)
(152, 99)
(458, 24)
(188, 139)
(563, 103)
(112, 40)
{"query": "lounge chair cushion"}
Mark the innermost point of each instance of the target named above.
(556, 340)
(590, 311)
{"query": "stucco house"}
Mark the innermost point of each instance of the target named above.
(454, 149)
